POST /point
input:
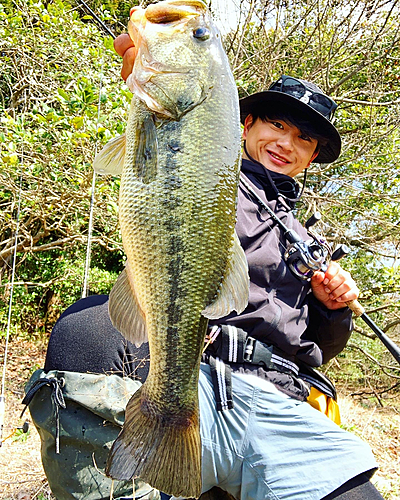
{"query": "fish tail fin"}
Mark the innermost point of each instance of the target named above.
(165, 454)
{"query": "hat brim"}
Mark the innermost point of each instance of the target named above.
(328, 153)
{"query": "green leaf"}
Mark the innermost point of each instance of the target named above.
(63, 94)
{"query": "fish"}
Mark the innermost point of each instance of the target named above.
(179, 162)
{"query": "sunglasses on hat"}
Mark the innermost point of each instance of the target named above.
(295, 88)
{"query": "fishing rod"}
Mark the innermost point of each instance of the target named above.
(10, 302)
(304, 258)
(85, 7)
(359, 311)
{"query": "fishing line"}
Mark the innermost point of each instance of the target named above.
(248, 193)
(11, 287)
(92, 197)
(85, 7)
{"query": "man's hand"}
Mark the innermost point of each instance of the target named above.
(124, 47)
(335, 287)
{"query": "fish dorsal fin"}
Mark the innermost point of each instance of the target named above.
(146, 152)
(111, 158)
(125, 312)
(234, 291)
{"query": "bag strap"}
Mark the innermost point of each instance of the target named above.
(57, 396)
(221, 375)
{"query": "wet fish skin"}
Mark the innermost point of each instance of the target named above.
(177, 217)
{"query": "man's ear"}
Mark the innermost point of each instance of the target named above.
(247, 126)
(315, 154)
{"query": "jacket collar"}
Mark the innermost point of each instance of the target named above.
(284, 184)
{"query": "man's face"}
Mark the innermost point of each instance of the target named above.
(279, 146)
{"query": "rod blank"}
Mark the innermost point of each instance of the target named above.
(359, 311)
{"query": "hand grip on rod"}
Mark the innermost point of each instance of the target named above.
(359, 311)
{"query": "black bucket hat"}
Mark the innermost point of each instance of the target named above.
(307, 98)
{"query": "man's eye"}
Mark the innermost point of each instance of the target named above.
(201, 34)
(277, 124)
(305, 137)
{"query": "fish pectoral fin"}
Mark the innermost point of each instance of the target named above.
(125, 312)
(111, 158)
(146, 151)
(234, 290)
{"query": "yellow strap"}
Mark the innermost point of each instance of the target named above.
(324, 404)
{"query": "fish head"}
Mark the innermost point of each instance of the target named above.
(179, 49)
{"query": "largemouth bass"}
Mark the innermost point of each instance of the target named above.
(180, 164)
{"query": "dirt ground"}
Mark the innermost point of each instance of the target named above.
(21, 472)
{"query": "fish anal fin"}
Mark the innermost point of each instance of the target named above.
(110, 160)
(165, 454)
(125, 312)
(147, 152)
(234, 290)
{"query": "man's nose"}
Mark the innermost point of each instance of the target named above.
(286, 140)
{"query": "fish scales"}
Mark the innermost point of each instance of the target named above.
(177, 215)
(182, 231)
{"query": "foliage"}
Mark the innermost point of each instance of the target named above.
(54, 60)
(49, 132)
(20, 435)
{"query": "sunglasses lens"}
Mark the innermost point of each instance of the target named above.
(322, 104)
(317, 101)
(293, 87)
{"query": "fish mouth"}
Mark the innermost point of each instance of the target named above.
(170, 13)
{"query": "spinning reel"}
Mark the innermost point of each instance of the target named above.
(304, 258)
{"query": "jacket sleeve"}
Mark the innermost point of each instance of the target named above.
(330, 330)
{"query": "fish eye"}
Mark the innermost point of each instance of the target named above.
(201, 33)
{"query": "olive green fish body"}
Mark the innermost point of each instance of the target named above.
(177, 215)
(179, 239)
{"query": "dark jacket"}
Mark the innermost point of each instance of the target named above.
(282, 310)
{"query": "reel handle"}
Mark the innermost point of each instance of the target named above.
(340, 252)
(313, 220)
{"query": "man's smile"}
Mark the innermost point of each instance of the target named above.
(278, 145)
(277, 156)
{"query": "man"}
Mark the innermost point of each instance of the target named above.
(262, 440)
